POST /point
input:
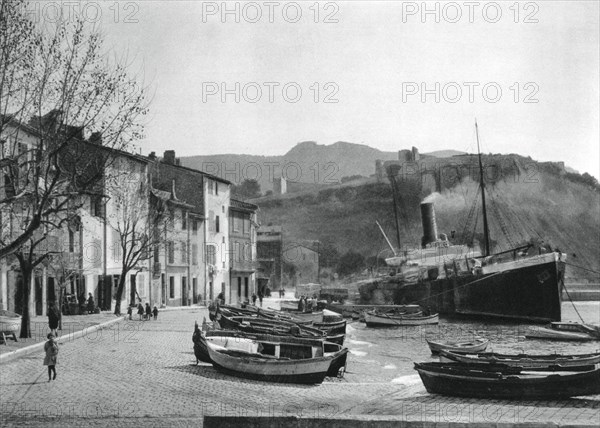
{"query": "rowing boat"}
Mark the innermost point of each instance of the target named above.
(470, 346)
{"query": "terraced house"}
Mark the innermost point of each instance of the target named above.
(157, 229)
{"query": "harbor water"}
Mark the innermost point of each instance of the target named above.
(388, 354)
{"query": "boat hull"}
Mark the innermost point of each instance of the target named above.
(524, 361)
(467, 383)
(551, 334)
(10, 322)
(308, 371)
(471, 347)
(374, 320)
(528, 289)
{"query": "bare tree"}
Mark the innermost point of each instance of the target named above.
(137, 220)
(52, 163)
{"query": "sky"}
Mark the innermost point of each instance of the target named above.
(385, 74)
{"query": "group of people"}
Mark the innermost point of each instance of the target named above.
(144, 313)
(307, 305)
(260, 298)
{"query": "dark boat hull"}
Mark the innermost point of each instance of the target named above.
(528, 289)
(465, 383)
(305, 378)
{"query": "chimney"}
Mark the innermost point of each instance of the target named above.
(169, 157)
(96, 138)
(152, 156)
(429, 224)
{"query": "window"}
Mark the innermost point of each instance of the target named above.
(247, 226)
(184, 253)
(172, 218)
(216, 188)
(194, 227)
(217, 226)
(223, 209)
(211, 255)
(171, 251)
(171, 287)
(183, 220)
(194, 254)
(71, 241)
(211, 221)
(210, 187)
(97, 207)
(236, 222)
(156, 253)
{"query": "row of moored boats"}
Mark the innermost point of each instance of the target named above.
(274, 346)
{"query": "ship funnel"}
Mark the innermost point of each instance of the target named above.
(429, 225)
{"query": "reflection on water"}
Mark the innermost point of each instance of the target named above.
(387, 354)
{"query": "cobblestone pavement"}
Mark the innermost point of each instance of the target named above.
(39, 329)
(144, 373)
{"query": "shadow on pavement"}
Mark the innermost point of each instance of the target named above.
(209, 372)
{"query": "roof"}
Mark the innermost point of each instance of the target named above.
(270, 230)
(242, 206)
(182, 186)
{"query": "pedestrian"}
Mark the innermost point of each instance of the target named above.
(221, 298)
(155, 312)
(260, 298)
(300, 303)
(90, 303)
(53, 317)
(148, 311)
(254, 299)
(51, 359)
(303, 304)
(129, 311)
(140, 310)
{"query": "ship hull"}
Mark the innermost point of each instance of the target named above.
(527, 289)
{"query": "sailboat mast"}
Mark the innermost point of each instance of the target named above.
(395, 196)
(486, 232)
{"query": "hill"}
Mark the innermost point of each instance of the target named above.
(552, 209)
(306, 163)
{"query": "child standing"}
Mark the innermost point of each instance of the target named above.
(51, 349)
(129, 311)
(155, 312)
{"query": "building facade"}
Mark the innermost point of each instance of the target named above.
(269, 248)
(182, 221)
(242, 246)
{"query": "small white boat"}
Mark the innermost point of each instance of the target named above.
(565, 331)
(382, 320)
(10, 322)
(470, 346)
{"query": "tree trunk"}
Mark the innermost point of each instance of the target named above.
(119, 294)
(26, 271)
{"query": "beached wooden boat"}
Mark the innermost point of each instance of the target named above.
(354, 311)
(314, 316)
(382, 320)
(334, 332)
(467, 346)
(10, 323)
(502, 382)
(565, 331)
(331, 316)
(275, 359)
(331, 328)
(526, 361)
(268, 326)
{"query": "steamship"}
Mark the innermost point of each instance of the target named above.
(523, 283)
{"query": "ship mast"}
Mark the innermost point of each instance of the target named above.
(486, 232)
(394, 195)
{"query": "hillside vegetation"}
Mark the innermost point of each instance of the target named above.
(561, 212)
